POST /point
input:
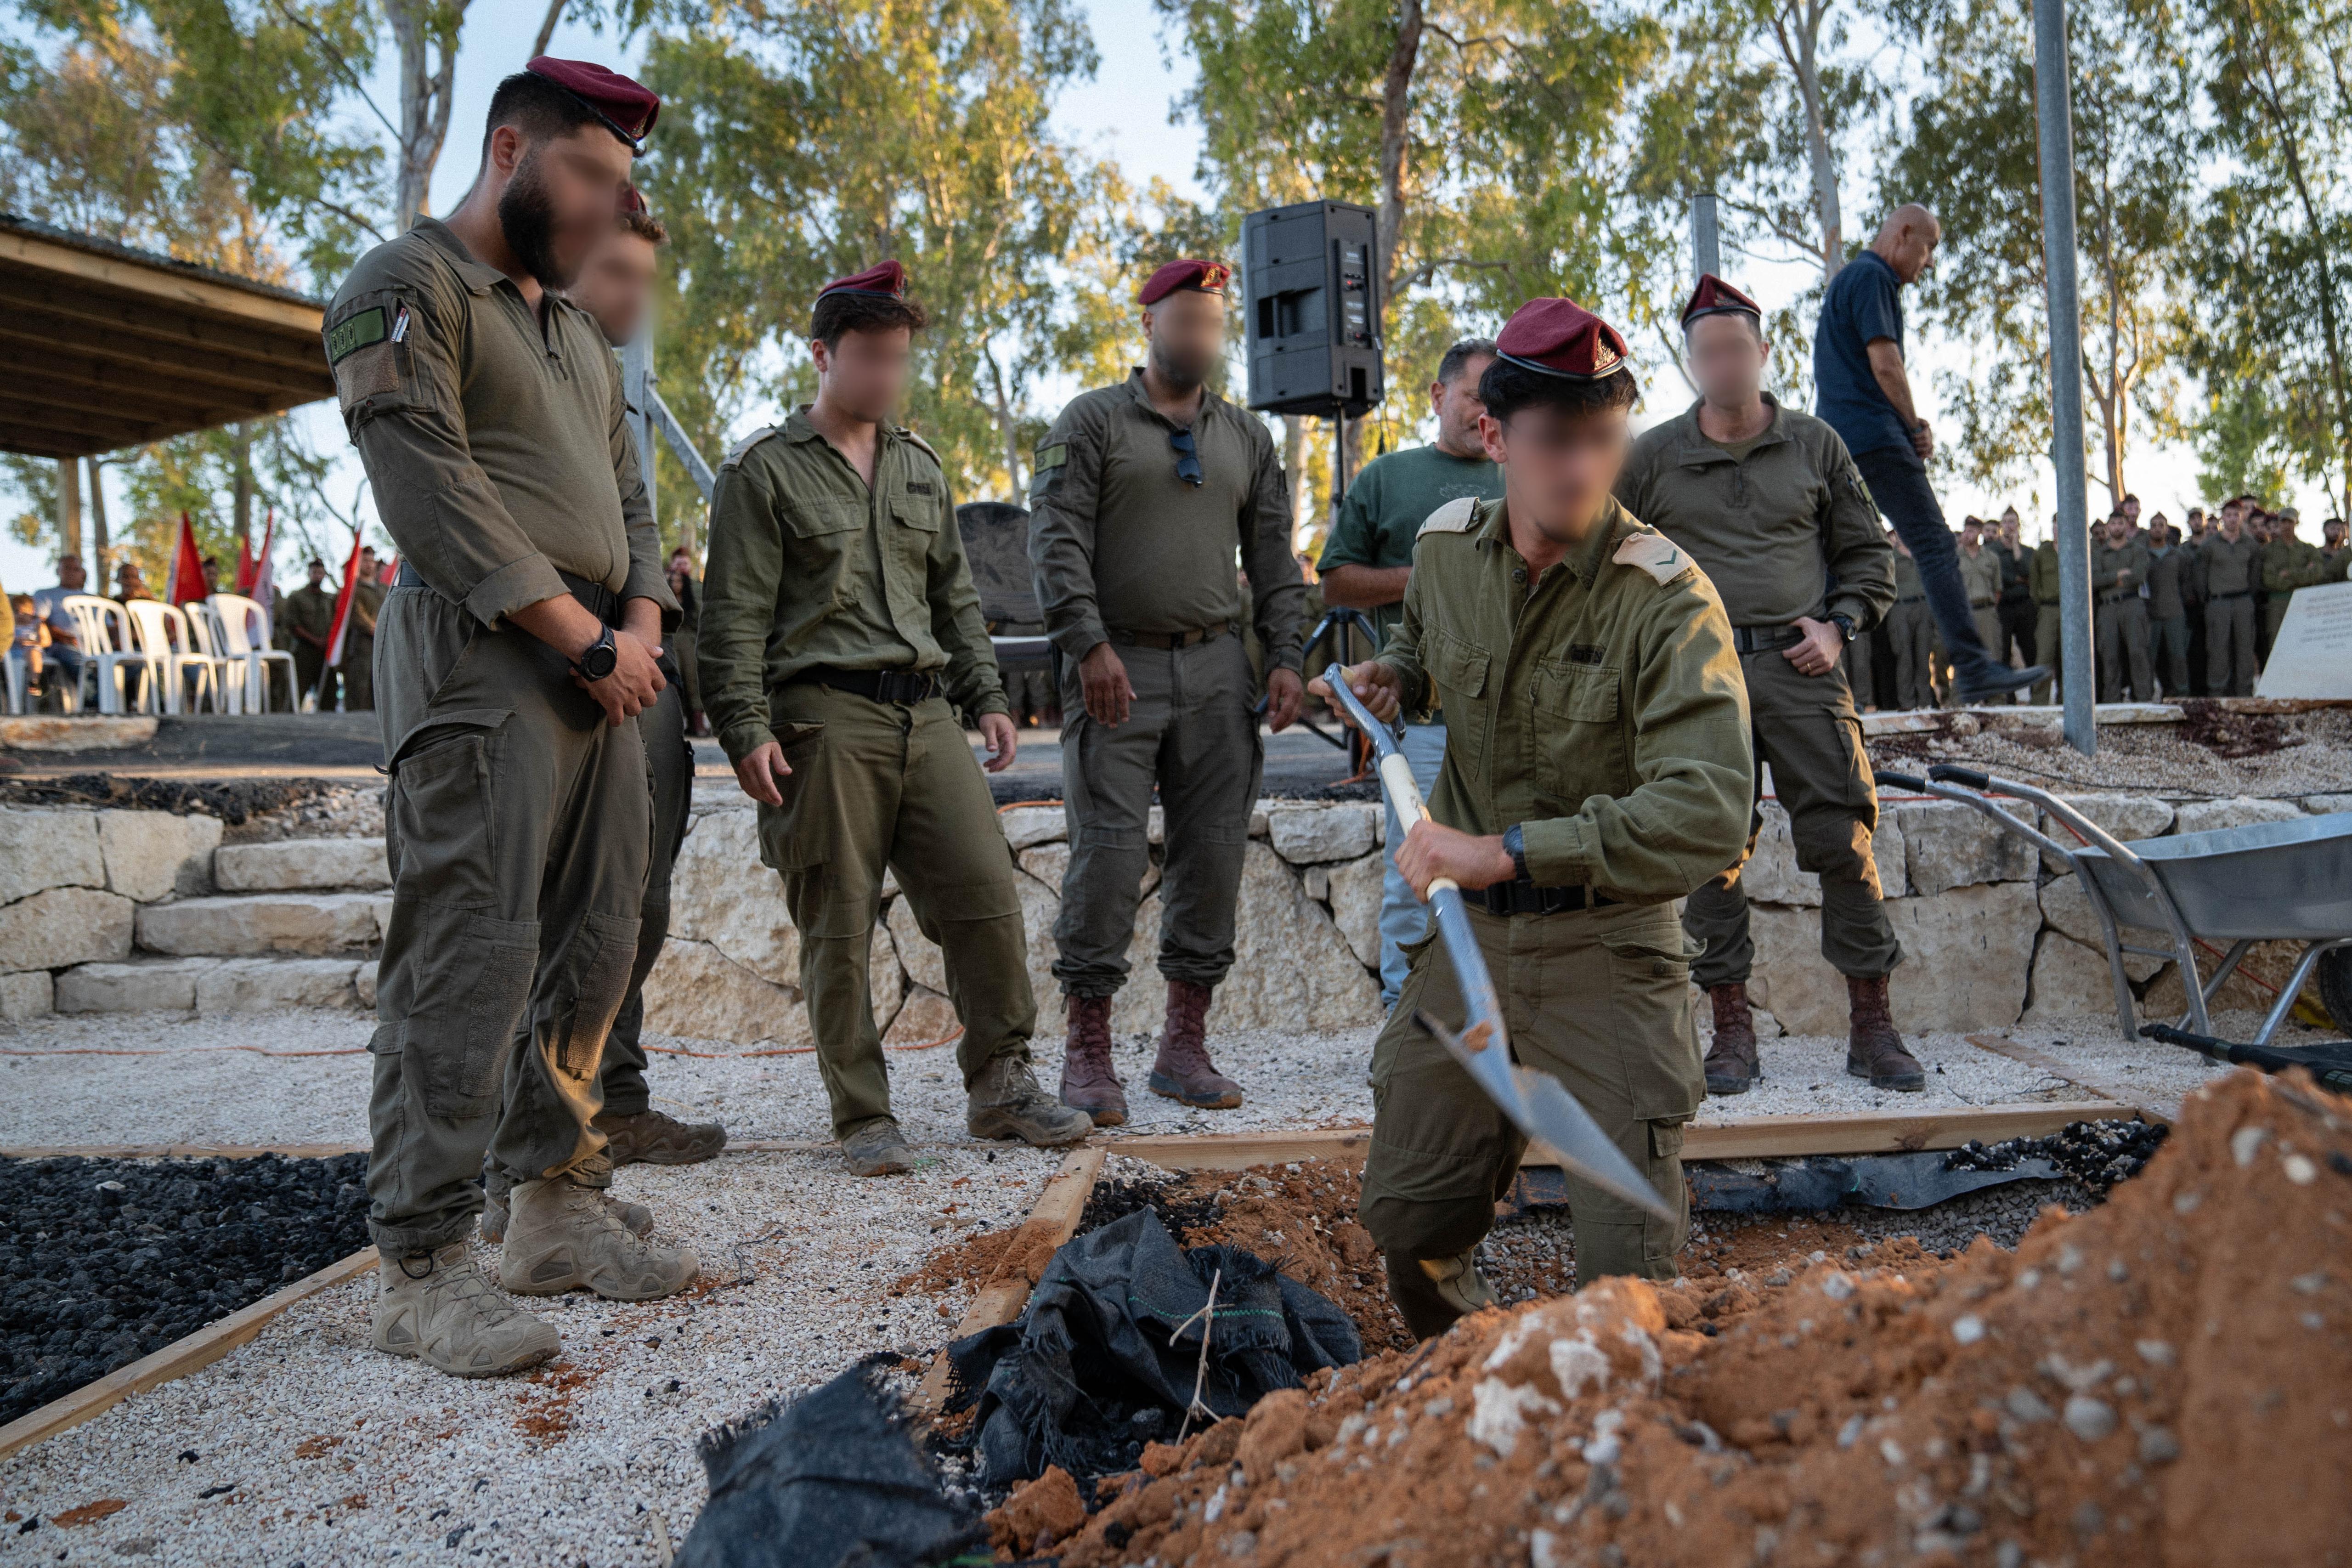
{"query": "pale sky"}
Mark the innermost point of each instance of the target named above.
(1125, 113)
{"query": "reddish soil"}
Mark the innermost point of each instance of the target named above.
(1303, 1217)
(2165, 1380)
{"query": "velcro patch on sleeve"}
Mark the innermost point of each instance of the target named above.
(1661, 557)
(360, 329)
(1454, 517)
(371, 371)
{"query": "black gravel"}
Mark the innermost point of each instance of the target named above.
(1117, 1198)
(2096, 1153)
(103, 1261)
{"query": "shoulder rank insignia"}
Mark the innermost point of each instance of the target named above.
(735, 454)
(1661, 557)
(1454, 517)
(920, 444)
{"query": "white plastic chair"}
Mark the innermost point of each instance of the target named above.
(245, 641)
(103, 629)
(174, 659)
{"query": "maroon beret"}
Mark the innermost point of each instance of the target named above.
(1714, 297)
(886, 280)
(628, 108)
(1201, 277)
(1560, 337)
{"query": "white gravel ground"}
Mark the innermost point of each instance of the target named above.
(332, 1453)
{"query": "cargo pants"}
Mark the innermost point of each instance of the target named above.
(892, 785)
(1601, 999)
(1193, 730)
(2122, 649)
(2230, 644)
(669, 764)
(1804, 727)
(2168, 651)
(517, 828)
(1913, 632)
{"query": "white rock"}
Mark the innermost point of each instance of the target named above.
(925, 964)
(1028, 825)
(1316, 880)
(1284, 976)
(1049, 863)
(927, 1018)
(65, 925)
(41, 850)
(2070, 981)
(2270, 961)
(363, 980)
(26, 995)
(2089, 1419)
(259, 984)
(1356, 894)
(152, 854)
(2326, 805)
(699, 992)
(2214, 815)
(1948, 846)
(291, 863)
(1967, 955)
(719, 893)
(142, 985)
(247, 925)
(1310, 835)
(2068, 908)
(1771, 875)
(2124, 817)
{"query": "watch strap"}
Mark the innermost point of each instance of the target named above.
(1515, 844)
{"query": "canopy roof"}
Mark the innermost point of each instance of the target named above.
(104, 347)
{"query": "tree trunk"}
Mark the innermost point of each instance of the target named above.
(99, 543)
(241, 439)
(1803, 54)
(555, 9)
(1293, 468)
(69, 507)
(1396, 127)
(426, 32)
(1010, 429)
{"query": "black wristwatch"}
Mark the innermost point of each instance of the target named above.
(1514, 845)
(601, 659)
(1844, 624)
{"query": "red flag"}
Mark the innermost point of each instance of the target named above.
(343, 605)
(187, 584)
(390, 570)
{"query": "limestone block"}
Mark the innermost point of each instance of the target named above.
(61, 926)
(1050, 862)
(1356, 904)
(152, 854)
(2252, 987)
(698, 993)
(1771, 875)
(2240, 811)
(247, 925)
(1155, 825)
(41, 850)
(719, 893)
(1258, 827)
(885, 982)
(1284, 976)
(26, 995)
(363, 980)
(2326, 805)
(1142, 1003)
(1316, 880)
(1968, 954)
(2065, 907)
(291, 863)
(380, 907)
(1028, 825)
(142, 985)
(1314, 834)
(259, 985)
(2125, 817)
(1948, 846)
(2070, 980)
(925, 1018)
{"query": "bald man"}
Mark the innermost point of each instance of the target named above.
(1864, 393)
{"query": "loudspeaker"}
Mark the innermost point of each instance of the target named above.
(1311, 277)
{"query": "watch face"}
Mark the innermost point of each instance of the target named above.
(598, 661)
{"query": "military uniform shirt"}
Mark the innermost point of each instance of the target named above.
(2289, 565)
(311, 610)
(2228, 566)
(809, 565)
(2165, 570)
(2045, 573)
(1600, 708)
(499, 452)
(1765, 525)
(1384, 508)
(1117, 542)
(1981, 574)
(2108, 562)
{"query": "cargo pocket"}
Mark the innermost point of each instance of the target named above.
(442, 811)
(1656, 1036)
(1580, 749)
(471, 997)
(1457, 674)
(799, 833)
(599, 964)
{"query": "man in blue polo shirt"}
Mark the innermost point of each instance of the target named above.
(1864, 393)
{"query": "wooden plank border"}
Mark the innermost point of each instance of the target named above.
(176, 1359)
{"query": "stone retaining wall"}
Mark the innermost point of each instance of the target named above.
(105, 911)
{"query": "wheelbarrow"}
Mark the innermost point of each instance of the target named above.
(2271, 881)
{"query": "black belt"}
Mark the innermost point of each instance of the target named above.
(1762, 639)
(1526, 898)
(594, 597)
(1166, 641)
(2118, 598)
(2240, 593)
(1913, 599)
(873, 685)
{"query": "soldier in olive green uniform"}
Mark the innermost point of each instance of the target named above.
(359, 636)
(310, 617)
(2288, 563)
(2229, 567)
(1980, 575)
(2168, 608)
(519, 646)
(1143, 492)
(1911, 626)
(1597, 768)
(2046, 621)
(2119, 566)
(839, 624)
(1763, 497)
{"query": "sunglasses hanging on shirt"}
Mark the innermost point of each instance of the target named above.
(1187, 457)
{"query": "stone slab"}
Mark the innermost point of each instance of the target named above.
(697, 992)
(42, 849)
(2124, 816)
(250, 925)
(1356, 893)
(261, 984)
(62, 926)
(290, 864)
(1948, 846)
(76, 732)
(2070, 980)
(30, 995)
(2311, 655)
(1968, 952)
(2236, 810)
(1315, 835)
(141, 985)
(719, 893)
(1026, 824)
(2068, 910)
(152, 854)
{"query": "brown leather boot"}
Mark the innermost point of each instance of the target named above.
(1183, 1070)
(1873, 1050)
(1731, 1063)
(1089, 1082)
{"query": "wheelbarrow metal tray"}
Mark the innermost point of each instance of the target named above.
(2267, 882)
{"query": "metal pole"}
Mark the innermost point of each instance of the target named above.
(636, 387)
(1706, 242)
(2053, 108)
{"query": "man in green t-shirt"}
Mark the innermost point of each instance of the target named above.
(1368, 561)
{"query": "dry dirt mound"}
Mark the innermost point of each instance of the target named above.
(2165, 1380)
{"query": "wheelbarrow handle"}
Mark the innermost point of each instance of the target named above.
(1904, 781)
(1952, 772)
